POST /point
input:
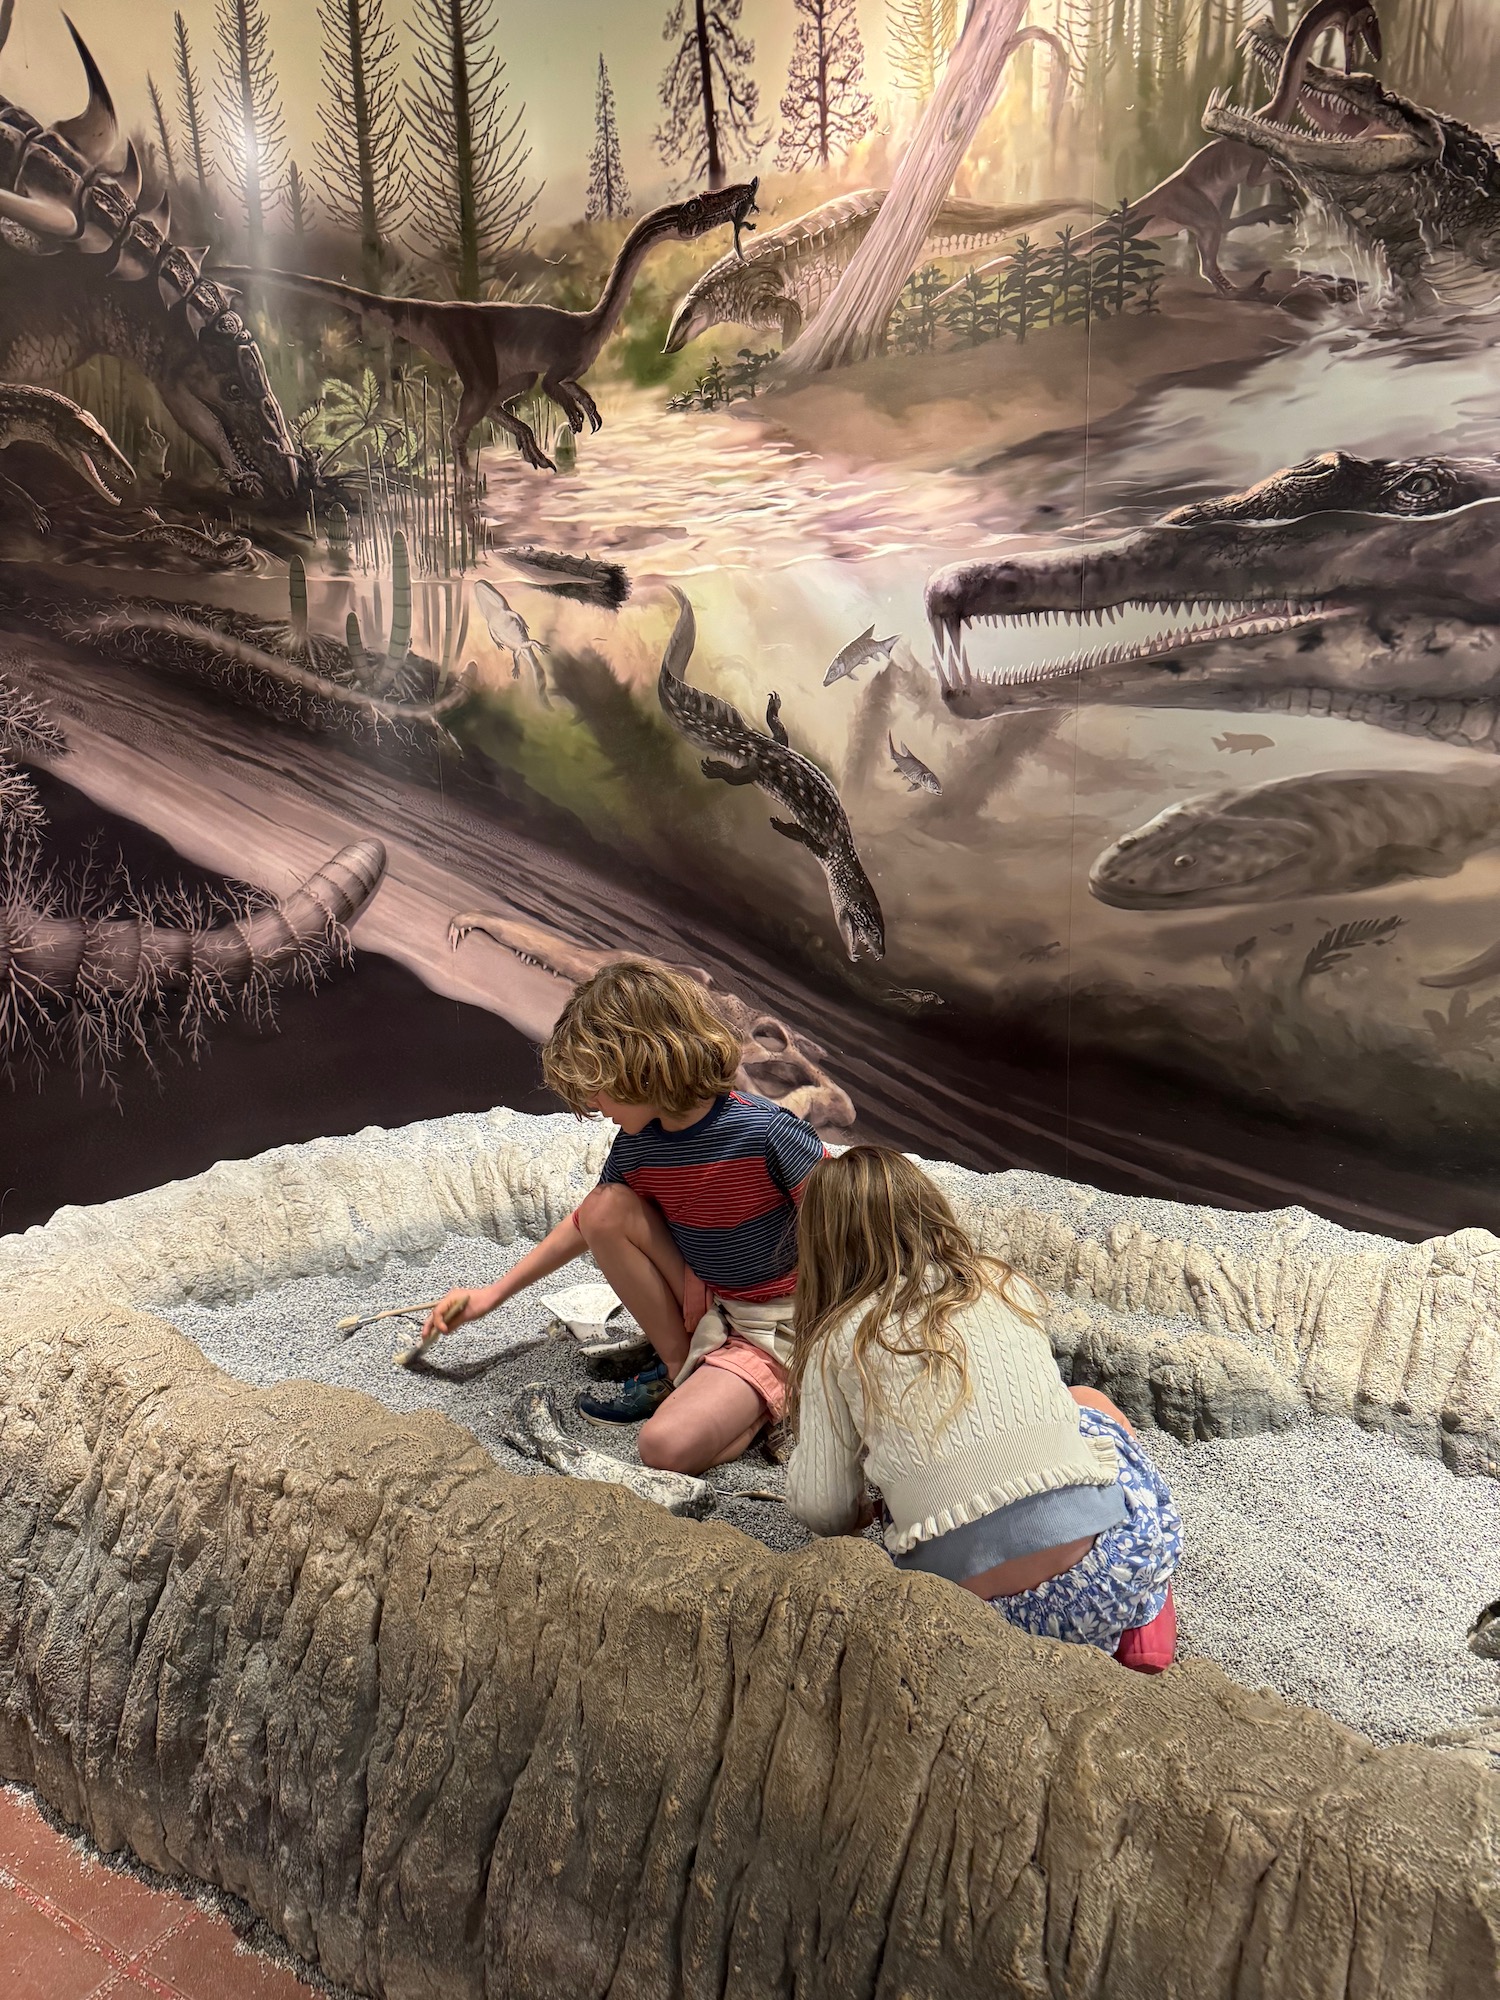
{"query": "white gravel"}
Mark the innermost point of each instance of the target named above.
(290, 1331)
(1324, 1563)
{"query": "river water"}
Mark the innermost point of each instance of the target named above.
(787, 554)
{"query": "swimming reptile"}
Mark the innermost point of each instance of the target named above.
(744, 756)
(1331, 833)
(1403, 179)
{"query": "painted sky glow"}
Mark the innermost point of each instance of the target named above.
(552, 48)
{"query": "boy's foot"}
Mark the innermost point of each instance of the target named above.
(621, 1366)
(641, 1396)
(772, 1441)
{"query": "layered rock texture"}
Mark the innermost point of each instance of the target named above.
(457, 1733)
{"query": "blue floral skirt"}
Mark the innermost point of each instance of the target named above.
(1122, 1581)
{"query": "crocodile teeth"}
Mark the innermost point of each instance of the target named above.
(1188, 624)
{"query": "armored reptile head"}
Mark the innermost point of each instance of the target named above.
(1248, 590)
(64, 194)
(748, 293)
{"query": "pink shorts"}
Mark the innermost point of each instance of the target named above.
(754, 1365)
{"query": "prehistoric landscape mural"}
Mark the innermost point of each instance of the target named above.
(974, 528)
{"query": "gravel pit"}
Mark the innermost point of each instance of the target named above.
(1322, 1562)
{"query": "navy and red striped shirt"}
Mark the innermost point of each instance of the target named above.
(729, 1188)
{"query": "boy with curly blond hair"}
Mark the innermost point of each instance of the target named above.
(694, 1220)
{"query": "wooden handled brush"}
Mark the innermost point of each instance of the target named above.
(348, 1326)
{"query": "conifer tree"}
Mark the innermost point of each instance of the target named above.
(358, 154)
(163, 136)
(710, 99)
(254, 127)
(299, 209)
(469, 200)
(609, 193)
(824, 107)
(190, 102)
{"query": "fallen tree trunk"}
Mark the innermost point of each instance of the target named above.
(458, 1733)
(851, 326)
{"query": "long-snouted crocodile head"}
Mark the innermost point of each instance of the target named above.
(73, 220)
(1362, 588)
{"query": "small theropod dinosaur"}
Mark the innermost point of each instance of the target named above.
(501, 350)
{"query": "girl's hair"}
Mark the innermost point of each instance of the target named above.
(874, 1227)
(644, 1034)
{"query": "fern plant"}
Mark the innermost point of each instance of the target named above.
(1343, 940)
(1462, 1027)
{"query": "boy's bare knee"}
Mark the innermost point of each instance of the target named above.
(1095, 1399)
(607, 1211)
(659, 1449)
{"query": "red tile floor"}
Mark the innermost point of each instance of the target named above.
(73, 1929)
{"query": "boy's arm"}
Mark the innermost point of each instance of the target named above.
(793, 1149)
(559, 1247)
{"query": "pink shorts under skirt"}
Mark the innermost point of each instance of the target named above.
(754, 1365)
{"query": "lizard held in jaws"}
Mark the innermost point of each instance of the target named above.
(741, 755)
(502, 350)
(1405, 180)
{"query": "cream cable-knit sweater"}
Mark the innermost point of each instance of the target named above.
(1017, 1434)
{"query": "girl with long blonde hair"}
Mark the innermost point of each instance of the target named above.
(921, 1365)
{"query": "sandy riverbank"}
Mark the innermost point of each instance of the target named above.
(965, 406)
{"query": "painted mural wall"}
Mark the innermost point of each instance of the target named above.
(973, 527)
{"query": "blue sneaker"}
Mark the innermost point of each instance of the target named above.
(641, 1396)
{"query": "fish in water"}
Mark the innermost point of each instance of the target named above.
(914, 999)
(1235, 744)
(860, 652)
(1331, 833)
(918, 777)
(508, 630)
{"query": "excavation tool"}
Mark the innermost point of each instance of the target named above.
(350, 1326)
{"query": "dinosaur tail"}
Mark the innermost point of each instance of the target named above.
(961, 226)
(353, 298)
